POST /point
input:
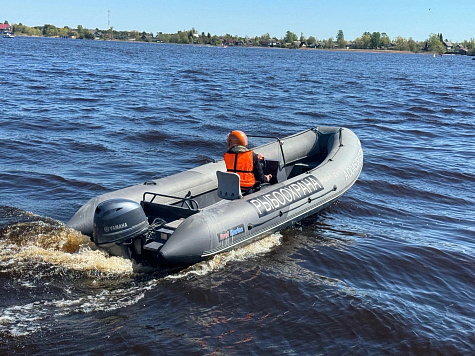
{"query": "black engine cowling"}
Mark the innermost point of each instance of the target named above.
(118, 221)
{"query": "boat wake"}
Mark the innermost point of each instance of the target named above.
(219, 261)
(63, 274)
(26, 247)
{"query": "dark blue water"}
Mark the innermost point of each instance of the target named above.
(388, 269)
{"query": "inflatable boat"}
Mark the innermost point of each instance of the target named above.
(190, 216)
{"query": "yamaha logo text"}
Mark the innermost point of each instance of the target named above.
(115, 227)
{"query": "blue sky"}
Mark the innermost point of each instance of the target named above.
(455, 19)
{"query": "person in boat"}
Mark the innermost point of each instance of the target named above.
(245, 162)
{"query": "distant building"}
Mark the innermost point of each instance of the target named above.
(462, 50)
(5, 27)
(448, 45)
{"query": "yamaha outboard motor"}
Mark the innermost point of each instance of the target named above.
(119, 225)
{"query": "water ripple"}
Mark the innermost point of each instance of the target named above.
(387, 269)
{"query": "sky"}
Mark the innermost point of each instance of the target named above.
(455, 19)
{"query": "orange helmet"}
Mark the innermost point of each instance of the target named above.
(237, 138)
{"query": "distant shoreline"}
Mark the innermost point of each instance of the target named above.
(368, 50)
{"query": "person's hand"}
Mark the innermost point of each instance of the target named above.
(268, 176)
(260, 157)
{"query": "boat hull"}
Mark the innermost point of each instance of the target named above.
(229, 224)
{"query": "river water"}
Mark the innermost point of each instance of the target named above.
(388, 269)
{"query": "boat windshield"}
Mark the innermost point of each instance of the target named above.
(270, 147)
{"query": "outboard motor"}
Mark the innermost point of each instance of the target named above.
(119, 225)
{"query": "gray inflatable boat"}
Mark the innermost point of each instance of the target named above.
(190, 216)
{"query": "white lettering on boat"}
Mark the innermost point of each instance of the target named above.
(353, 168)
(282, 197)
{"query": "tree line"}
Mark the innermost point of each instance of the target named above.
(375, 40)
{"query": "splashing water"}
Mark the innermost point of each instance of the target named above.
(37, 253)
(221, 260)
(26, 246)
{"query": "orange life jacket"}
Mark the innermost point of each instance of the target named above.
(242, 164)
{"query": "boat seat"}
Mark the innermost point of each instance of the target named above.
(169, 228)
(153, 246)
(229, 185)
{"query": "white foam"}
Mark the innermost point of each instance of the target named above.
(60, 248)
(38, 250)
(221, 260)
